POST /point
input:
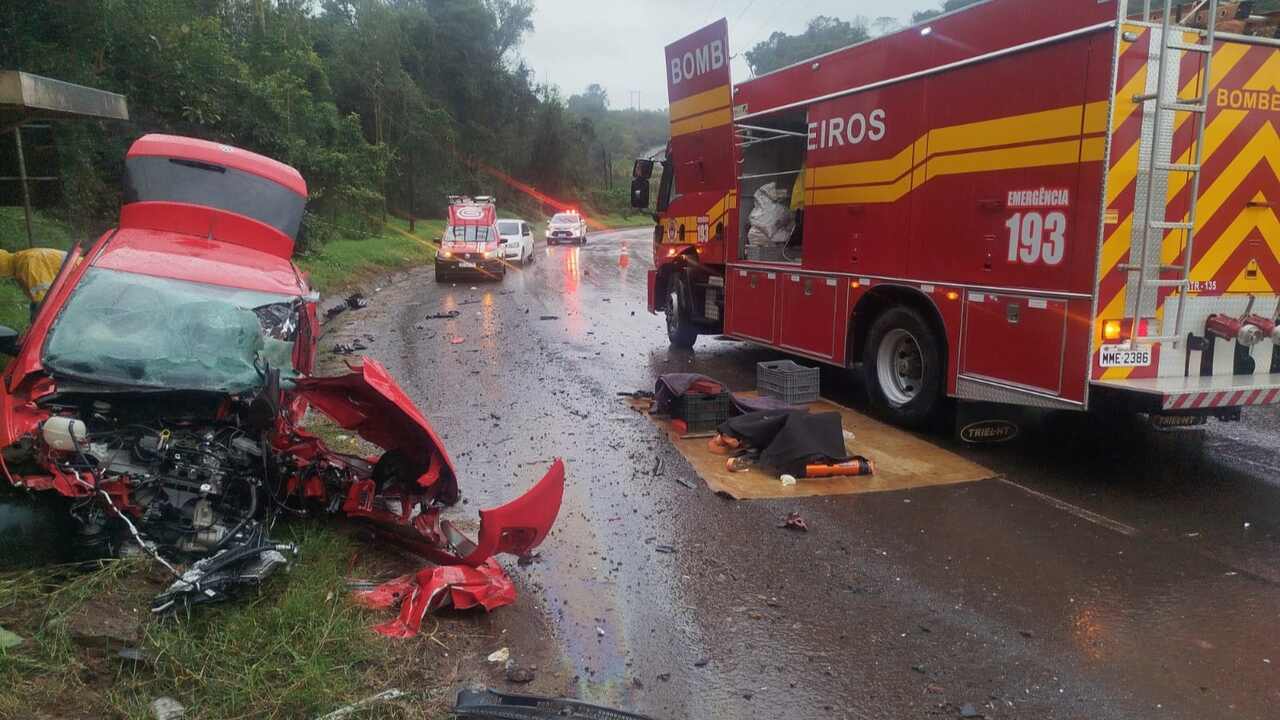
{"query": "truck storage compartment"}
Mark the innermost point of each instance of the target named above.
(1014, 339)
(751, 309)
(771, 187)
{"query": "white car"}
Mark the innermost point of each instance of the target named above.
(567, 227)
(516, 240)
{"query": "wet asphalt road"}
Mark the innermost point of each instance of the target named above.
(1111, 573)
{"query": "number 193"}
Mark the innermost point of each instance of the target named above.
(1034, 237)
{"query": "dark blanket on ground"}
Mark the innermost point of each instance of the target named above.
(790, 439)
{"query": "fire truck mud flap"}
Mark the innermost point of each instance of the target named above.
(652, 286)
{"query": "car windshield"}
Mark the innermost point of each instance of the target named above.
(123, 328)
(468, 234)
(565, 218)
(509, 228)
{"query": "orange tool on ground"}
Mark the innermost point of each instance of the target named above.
(856, 466)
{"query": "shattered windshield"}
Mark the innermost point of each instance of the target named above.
(129, 329)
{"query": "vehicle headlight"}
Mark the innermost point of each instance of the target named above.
(487, 254)
(446, 253)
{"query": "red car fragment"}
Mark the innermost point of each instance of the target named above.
(369, 402)
(461, 586)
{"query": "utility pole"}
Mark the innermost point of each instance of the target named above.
(22, 178)
(411, 193)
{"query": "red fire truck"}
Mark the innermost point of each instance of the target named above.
(1052, 204)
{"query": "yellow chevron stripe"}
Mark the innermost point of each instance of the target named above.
(713, 99)
(1125, 169)
(1116, 245)
(1264, 146)
(1226, 121)
(1234, 236)
(1124, 98)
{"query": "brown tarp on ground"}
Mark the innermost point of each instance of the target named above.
(903, 461)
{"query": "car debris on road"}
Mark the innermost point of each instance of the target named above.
(793, 521)
(161, 389)
(504, 706)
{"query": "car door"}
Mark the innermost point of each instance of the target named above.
(526, 236)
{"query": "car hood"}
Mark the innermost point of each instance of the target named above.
(369, 402)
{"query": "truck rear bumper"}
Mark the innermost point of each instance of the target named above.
(1197, 393)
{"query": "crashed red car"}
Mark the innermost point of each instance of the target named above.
(162, 382)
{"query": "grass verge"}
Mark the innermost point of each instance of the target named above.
(297, 648)
(344, 263)
(618, 221)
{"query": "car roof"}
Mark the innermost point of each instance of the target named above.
(160, 253)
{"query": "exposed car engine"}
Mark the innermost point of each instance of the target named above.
(197, 486)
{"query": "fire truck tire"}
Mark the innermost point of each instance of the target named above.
(902, 365)
(680, 328)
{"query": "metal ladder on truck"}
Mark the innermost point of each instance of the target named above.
(1152, 275)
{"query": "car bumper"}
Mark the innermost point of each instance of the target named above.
(454, 266)
(564, 238)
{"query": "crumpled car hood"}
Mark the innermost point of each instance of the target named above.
(369, 402)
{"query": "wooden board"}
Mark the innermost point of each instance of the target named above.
(903, 461)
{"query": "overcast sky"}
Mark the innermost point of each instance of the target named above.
(618, 43)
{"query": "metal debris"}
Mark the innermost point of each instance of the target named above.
(793, 521)
(353, 708)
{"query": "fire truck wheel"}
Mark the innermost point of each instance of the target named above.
(680, 329)
(902, 364)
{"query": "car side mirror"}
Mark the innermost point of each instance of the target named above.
(8, 341)
(642, 169)
(640, 193)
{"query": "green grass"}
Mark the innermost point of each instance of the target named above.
(46, 231)
(618, 220)
(297, 648)
(341, 264)
(46, 669)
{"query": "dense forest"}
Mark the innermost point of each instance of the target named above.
(385, 106)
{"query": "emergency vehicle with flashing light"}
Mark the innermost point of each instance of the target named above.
(471, 239)
(567, 226)
(1060, 205)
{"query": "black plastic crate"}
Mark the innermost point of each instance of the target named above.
(702, 413)
(787, 381)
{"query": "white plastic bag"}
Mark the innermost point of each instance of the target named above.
(771, 220)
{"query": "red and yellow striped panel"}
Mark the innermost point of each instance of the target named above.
(1058, 136)
(1237, 237)
(706, 110)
